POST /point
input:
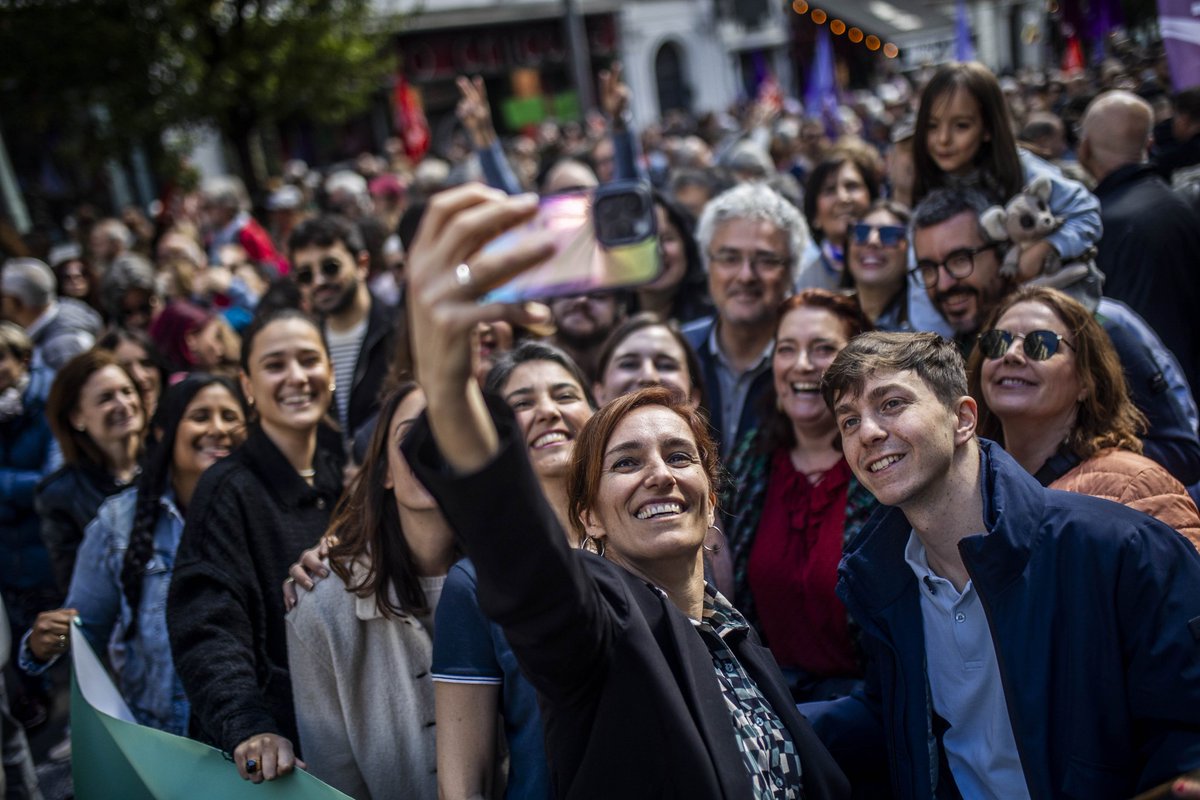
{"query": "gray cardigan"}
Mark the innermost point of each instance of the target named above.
(363, 692)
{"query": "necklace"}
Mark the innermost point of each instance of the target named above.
(308, 473)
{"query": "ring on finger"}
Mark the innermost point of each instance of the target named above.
(251, 766)
(462, 274)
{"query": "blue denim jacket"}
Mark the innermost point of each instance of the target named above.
(146, 673)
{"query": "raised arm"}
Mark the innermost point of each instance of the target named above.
(614, 99)
(473, 458)
(476, 116)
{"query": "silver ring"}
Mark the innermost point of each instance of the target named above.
(462, 274)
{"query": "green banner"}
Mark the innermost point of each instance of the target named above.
(114, 758)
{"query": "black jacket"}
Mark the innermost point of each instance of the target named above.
(629, 700)
(371, 367)
(1149, 257)
(250, 518)
(66, 501)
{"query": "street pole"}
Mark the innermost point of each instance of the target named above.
(10, 192)
(581, 71)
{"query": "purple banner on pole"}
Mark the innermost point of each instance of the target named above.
(1179, 22)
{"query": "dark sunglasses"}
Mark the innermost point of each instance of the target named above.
(1038, 345)
(330, 267)
(889, 235)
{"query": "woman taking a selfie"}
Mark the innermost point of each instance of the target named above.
(649, 682)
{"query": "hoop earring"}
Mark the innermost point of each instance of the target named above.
(592, 544)
(720, 541)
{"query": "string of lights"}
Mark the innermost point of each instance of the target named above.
(839, 28)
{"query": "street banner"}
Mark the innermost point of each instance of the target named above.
(1179, 23)
(114, 758)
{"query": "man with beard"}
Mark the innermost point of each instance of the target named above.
(584, 322)
(330, 264)
(960, 268)
(750, 239)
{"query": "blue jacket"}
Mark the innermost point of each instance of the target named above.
(1094, 611)
(697, 334)
(143, 664)
(27, 455)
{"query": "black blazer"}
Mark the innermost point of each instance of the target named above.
(630, 702)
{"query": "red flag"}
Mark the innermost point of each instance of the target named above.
(1073, 56)
(409, 117)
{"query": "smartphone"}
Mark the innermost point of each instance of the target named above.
(606, 238)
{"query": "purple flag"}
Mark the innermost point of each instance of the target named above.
(964, 49)
(1179, 22)
(820, 100)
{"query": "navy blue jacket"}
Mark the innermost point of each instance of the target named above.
(1094, 611)
(697, 334)
(27, 455)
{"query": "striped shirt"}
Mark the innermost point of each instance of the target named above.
(344, 348)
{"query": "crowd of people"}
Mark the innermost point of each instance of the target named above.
(857, 498)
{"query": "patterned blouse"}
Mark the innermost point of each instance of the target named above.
(763, 740)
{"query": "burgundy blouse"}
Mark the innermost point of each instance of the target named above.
(793, 569)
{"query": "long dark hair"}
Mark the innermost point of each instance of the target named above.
(156, 469)
(692, 300)
(999, 164)
(366, 525)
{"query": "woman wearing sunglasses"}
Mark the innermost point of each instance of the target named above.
(876, 252)
(1051, 390)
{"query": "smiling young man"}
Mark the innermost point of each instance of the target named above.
(329, 262)
(1024, 642)
(750, 239)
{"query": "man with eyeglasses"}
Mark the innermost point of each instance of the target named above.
(329, 263)
(750, 239)
(960, 268)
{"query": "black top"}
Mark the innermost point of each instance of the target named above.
(250, 518)
(66, 501)
(629, 698)
(1148, 254)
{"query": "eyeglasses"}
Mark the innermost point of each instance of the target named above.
(959, 264)
(1038, 345)
(330, 267)
(759, 262)
(889, 235)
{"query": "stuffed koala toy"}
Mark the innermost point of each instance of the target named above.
(1026, 220)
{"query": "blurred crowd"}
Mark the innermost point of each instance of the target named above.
(201, 416)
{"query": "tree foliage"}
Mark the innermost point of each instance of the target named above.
(93, 75)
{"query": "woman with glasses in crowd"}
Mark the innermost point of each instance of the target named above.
(251, 517)
(129, 550)
(876, 255)
(1051, 390)
(792, 504)
(650, 683)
